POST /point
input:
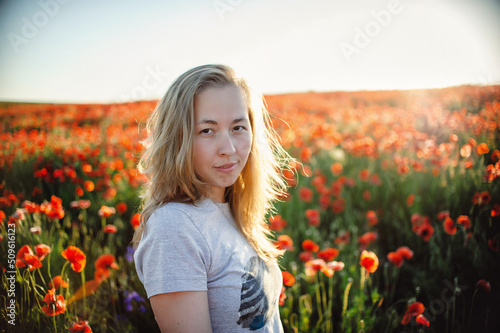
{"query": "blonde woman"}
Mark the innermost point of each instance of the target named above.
(213, 167)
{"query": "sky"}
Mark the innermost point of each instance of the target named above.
(71, 51)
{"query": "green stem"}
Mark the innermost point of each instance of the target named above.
(471, 308)
(318, 301)
(41, 277)
(54, 319)
(330, 304)
(48, 265)
(64, 268)
(363, 279)
(344, 305)
(84, 291)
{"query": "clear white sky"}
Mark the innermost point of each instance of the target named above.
(113, 50)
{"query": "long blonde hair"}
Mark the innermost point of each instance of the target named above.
(167, 159)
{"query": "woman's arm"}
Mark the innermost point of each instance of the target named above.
(185, 311)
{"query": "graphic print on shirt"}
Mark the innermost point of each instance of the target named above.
(254, 308)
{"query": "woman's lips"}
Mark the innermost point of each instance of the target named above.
(226, 168)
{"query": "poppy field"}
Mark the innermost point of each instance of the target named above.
(391, 222)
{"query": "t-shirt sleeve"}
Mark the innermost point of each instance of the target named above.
(172, 255)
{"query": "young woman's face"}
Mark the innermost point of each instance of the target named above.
(222, 138)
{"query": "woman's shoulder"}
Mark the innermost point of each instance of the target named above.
(175, 212)
(185, 208)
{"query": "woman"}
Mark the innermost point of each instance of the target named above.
(213, 167)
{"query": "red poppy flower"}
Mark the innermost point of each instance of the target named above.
(416, 219)
(495, 155)
(121, 208)
(395, 258)
(425, 231)
(30, 207)
(288, 278)
(482, 148)
(449, 226)
(420, 319)
(405, 252)
(18, 215)
(106, 211)
(101, 275)
(337, 168)
(58, 281)
(306, 256)
(312, 216)
(105, 262)
(53, 209)
(335, 265)
(79, 191)
(41, 251)
(76, 257)
(324, 201)
(315, 265)
(364, 174)
(284, 242)
(110, 229)
(87, 168)
(310, 246)
(464, 220)
(375, 180)
(328, 254)
(371, 217)
(82, 204)
(492, 172)
(484, 285)
(290, 178)
(336, 188)
(410, 200)
(88, 185)
(412, 310)
(135, 220)
(305, 154)
(367, 195)
(55, 304)
(343, 238)
(338, 205)
(481, 199)
(282, 296)
(277, 223)
(366, 239)
(369, 261)
(80, 327)
(351, 182)
(305, 194)
(319, 180)
(443, 214)
(26, 258)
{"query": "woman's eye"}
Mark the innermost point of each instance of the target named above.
(206, 131)
(239, 128)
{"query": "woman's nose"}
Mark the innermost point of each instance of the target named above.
(226, 145)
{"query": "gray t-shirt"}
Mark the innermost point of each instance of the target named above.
(199, 248)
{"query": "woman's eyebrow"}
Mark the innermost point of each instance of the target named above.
(207, 121)
(213, 122)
